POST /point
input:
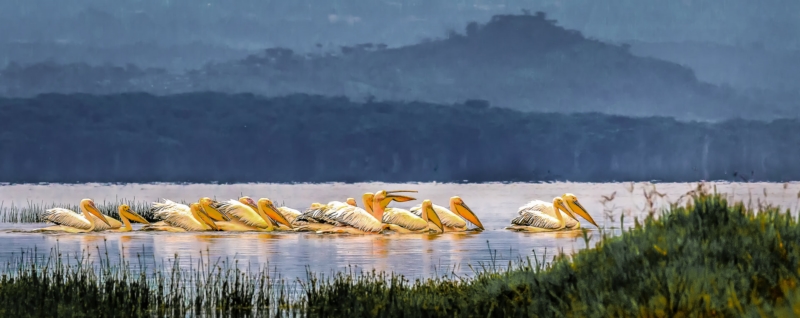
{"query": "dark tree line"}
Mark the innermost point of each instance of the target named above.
(206, 137)
(524, 62)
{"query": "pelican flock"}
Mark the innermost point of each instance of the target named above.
(335, 217)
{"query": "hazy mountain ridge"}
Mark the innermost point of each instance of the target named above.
(205, 137)
(751, 67)
(299, 24)
(523, 62)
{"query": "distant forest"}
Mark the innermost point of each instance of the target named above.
(207, 137)
(525, 62)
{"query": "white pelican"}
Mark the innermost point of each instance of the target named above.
(247, 215)
(319, 216)
(69, 221)
(181, 218)
(356, 220)
(454, 222)
(539, 216)
(173, 214)
(127, 215)
(403, 221)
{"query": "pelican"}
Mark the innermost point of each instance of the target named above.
(127, 215)
(173, 214)
(454, 222)
(355, 220)
(246, 215)
(175, 220)
(69, 221)
(539, 216)
(319, 216)
(403, 221)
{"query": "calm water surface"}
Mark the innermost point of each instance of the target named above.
(414, 255)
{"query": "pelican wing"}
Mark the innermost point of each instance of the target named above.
(357, 217)
(547, 208)
(177, 215)
(449, 218)
(243, 213)
(312, 215)
(324, 214)
(289, 213)
(537, 219)
(537, 205)
(67, 218)
(404, 219)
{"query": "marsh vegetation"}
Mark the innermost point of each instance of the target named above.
(706, 257)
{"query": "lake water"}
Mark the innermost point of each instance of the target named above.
(413, 255)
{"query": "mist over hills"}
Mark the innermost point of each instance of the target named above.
(300, 24)
(525, 62)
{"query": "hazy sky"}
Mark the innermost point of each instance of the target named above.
(303, 23)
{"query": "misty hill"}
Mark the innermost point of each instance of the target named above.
(524, 62)
(174, 57)
(742, 67)
(204, 137)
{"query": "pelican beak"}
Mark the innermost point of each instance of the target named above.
(391, 196)
(274, 214)
(433, 217)
(578, 209)
(465, 212)
(207, 219)
(213, 213)
(133, 216)
(567, 211)
(93, 210)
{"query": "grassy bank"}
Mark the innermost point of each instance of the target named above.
(708, 258)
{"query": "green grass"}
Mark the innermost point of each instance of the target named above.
(708, 258)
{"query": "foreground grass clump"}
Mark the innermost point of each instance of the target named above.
(704, 259)
(707, 258)
(54, 288)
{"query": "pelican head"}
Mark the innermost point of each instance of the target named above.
(575, 207)
(211, 211)
(248, 202)
(427, 207)
(88, 206)
(389, 196)
(315, 205)
(272, 212)
(458, 206)
(198, 210)
(351, 201)
(125, 210)
(560, 205)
